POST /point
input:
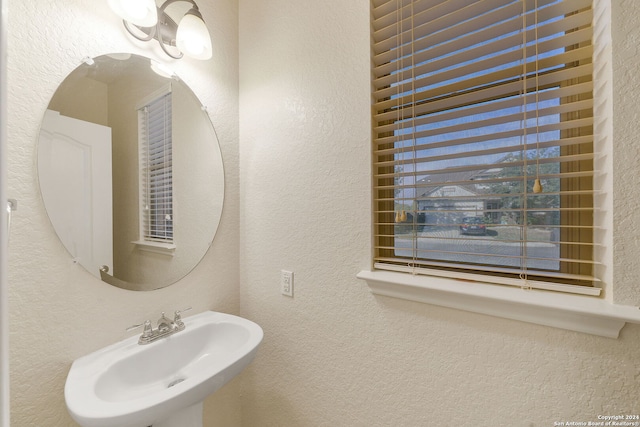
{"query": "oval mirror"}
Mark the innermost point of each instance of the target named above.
(130, 172)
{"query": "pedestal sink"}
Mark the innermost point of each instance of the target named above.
(162, 384)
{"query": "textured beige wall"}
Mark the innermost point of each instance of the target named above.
(335, 355)
(626, 155)
(58, 311)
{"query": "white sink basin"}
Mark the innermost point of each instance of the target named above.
(132, 385)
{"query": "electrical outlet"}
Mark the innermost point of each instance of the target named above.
(286, 283)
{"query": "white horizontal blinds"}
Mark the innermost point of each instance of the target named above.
(473, 102)
(156, 171)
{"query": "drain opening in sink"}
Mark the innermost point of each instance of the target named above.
(174, 382)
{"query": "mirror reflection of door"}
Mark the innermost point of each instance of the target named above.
(74, 163)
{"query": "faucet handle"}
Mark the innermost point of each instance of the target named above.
(146, 331)
(177, 317)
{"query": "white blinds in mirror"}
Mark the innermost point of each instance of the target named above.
(156, 219)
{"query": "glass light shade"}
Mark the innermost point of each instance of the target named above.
(143, 13)
(193, 38)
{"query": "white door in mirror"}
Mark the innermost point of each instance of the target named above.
(74, 166)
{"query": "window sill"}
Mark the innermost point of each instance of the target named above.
(579, 313)
(156, 247)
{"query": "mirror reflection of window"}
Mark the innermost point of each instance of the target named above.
(156, 169)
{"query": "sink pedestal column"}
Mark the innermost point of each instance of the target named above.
(188, 417)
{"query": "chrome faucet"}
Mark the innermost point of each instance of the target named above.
(165, 328)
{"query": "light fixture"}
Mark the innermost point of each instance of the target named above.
(188, 37)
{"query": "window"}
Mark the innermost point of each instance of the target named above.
(156, 174)
(483, 141)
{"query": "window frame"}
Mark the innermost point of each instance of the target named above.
(165, 246)
(581, 313)
(401, 179)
